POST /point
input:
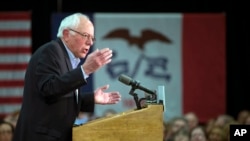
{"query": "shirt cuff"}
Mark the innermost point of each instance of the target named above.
(84, 74)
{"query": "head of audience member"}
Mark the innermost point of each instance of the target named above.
(166, 130)
(82, 118)
(192, 119)
(242, 115)
(217, 133)
(209, 124)
(179, 123)
(198, 133)
(247, 120)
(109, 112)
(176, 124)
(223, 120)
(227, 128)
(12, 117)
(6, 131)
(181, 135)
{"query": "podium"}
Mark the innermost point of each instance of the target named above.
(144, 124)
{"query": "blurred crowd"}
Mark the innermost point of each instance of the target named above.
(182, 128)
(189, 128)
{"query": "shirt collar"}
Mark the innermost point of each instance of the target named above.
(74, 61)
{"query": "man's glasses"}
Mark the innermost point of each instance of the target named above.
(84, 35)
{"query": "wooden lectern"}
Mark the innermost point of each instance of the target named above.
(145, 124)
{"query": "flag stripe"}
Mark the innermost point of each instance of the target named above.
(17, 58)
(15, 33)
(14, 25)
(12, 75)
(14, 50)
(15, 41)
(13, 66)
(11, 92)
(15, 16)
(11, 83)
(11, 100)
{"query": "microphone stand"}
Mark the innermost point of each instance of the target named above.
(149, 99)
(135, 95)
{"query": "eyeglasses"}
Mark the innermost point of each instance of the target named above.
(84, 35)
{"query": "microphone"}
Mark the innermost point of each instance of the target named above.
(136, 85)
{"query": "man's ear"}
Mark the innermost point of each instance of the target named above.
(66, 34)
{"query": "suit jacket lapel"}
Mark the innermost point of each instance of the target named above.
(60, 44)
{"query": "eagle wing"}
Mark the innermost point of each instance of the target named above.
(119, 33)
(148, 35)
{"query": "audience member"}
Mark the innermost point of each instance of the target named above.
(223, 120)
(217, 133)
(209, 124)
(12, 117)
(109, 112)
(181, 135)
(166, 130)
(242, 115)
(192, 119)
(198, 133)
(247, 120)
(82, 118)
(6, 131)
(227, 128)
(177, 124)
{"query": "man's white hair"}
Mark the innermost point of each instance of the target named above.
(71, 21)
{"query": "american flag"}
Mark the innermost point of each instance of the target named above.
(15, 52)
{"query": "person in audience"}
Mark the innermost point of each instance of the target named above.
(177, 124)
(209, 124)
(223, 120)
(247, 120)
(198, 133)
(12, 117)
(166, 130)
(192, 119)
(227, 128)
(242, 115)
(6, 131)
(217, 133)
(109, 112)
(181, 135)
(82, 118)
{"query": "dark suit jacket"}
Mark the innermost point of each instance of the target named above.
(49, 104)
